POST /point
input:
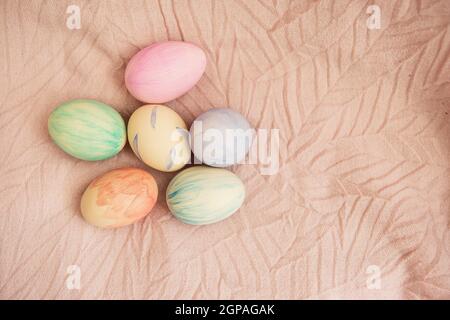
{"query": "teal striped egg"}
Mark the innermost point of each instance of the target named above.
(204, 195)
(87, 129)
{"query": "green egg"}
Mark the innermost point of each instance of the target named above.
(203, 195)
(87, 129)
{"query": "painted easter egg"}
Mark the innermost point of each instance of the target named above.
(164, 71)
(87, 129)
(119, 198)
(158, 136)
(204, 195)
(221, 137)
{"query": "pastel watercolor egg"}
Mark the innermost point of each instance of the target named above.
(203, 195)
(164, 71)
(87, 129)
(119, 198)
(221, 137)
(159, 137)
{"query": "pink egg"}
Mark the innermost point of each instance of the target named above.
(164, 71)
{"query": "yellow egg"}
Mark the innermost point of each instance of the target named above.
(159, 137)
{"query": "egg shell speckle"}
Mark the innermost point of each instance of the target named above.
(204, 195)
(164, 71)
(87, 129)
(119, 197)
(159, 137)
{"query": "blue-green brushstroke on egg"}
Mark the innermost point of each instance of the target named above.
(87, 129)
(203, 195)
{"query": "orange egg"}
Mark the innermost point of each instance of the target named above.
(119, 197)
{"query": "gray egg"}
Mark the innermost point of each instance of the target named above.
(220, 137)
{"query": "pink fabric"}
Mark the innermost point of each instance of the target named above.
(364, 179)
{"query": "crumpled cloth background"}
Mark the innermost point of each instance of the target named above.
(363, 188)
